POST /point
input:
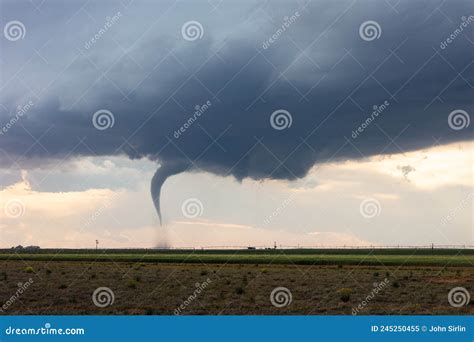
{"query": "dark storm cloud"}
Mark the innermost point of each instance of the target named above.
(318, 69)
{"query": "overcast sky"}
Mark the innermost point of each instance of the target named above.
(296, 122)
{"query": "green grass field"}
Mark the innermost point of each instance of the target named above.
(240, 281)
(462, 257)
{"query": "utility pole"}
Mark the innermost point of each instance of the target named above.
(96, 244)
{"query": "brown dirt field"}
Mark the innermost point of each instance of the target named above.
(66, 288)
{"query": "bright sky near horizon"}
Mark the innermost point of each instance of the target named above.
(429, 203)
(297, 122)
